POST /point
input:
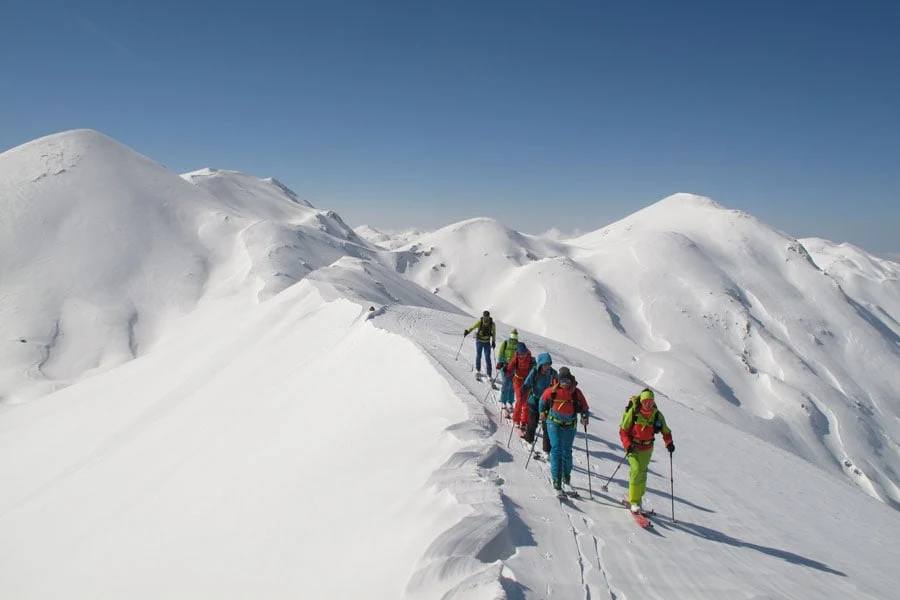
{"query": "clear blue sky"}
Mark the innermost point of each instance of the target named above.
(540, 114)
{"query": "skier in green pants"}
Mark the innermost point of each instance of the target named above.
(640, 424)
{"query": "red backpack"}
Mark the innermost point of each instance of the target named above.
(522, 364)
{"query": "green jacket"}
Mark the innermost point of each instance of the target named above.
(507, 351)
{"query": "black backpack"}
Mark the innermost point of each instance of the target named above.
(484, 329)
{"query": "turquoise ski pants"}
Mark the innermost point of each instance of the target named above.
(561, 440)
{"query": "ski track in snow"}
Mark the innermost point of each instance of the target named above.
(562, 535)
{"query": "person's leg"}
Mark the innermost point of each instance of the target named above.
(643, 459)
(634, 478)
(637, 481)
(567, 440)
(532, 423)
(479, 348)
(556, 453)
(507, 395)
(520, 414)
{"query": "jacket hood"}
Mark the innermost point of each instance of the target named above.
(544, 359)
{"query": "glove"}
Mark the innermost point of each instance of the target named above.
(465, 333)
(671, 447)
(630, 449)
(584, 420)
(543, 417)
(494, 344)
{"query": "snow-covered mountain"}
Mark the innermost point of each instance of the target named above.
(233, 420)
(717, 309)
(143, 247)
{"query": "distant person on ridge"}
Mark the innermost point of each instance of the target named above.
(539, 379)
(504, 355)
(518, 369)
(485, 339)
(640, 424)
(561, 404)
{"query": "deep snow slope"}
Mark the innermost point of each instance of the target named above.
(243, 456)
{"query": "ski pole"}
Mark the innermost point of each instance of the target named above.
(512, 427)
(533, 442)
(587, 454)
(605, 486)
(490, 388)
(460, 347)
(672, 488)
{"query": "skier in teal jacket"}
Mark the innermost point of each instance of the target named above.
(539, 379)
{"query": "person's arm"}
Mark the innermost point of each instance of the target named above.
(666, 433)
(625, 430)
(544, 406)
(585, 409)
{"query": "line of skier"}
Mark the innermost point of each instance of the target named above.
(533, 393)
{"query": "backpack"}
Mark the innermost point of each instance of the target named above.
(484, 329)
(522, 370)
(576, 399)
(634, 403)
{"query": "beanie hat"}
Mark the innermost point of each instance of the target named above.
(565, 373)
(647, 394)
(522, 348)
(514, 334)
(486, 313)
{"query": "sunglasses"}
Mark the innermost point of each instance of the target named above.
(565, 381)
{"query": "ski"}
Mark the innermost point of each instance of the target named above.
(639, 517)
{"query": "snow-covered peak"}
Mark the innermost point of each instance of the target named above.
(97, 244)
(102, 249)
(248, 195)
(685, 201)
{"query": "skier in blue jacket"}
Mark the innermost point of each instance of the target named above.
(541, 377)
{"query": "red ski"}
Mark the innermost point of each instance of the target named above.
(639, 517)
